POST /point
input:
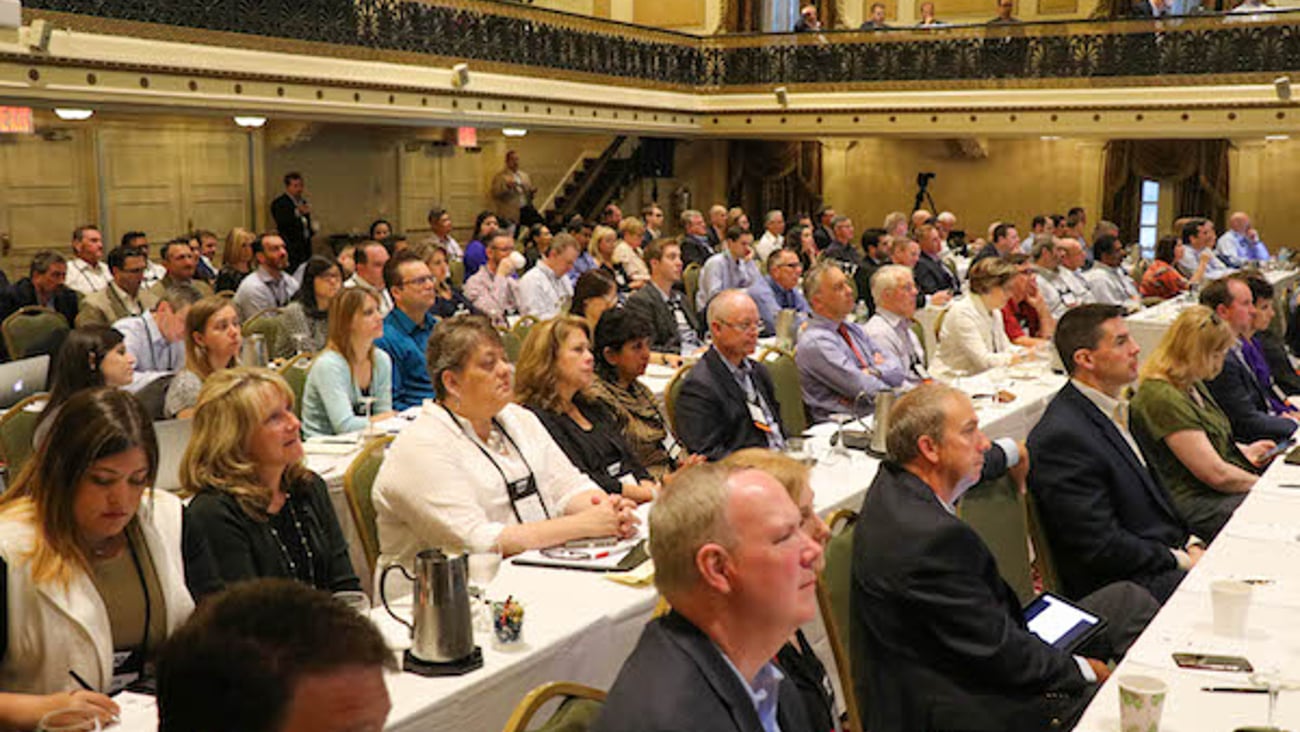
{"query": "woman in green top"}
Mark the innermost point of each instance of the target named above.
(1182, 431)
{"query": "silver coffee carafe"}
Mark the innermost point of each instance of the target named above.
(885, 399)
(441, 631)
(253, 352)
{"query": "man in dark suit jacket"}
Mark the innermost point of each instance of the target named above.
(938, 638)
(292, 215)
(728, 401)
(705, 664)
(676, 325)
(44, 287)
(1236, 389)
(822, 235)
(695, 242)
(1106, 515)
(931, 275)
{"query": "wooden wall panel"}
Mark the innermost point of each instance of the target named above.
(670, 13)
(42, 193)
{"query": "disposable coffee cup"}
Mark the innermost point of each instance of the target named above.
(1230, 601)
(1141, 700)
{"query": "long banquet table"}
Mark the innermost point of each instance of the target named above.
(1260, 543)
(581, 626)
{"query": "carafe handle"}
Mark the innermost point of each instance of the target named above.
(383, 596)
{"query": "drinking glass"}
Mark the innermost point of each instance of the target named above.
(369, 403)
(483, 568)
(1271, 678)
(69, 720)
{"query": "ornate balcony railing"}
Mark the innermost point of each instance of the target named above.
(553, 44)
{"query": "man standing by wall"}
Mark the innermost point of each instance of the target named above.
(292, 215)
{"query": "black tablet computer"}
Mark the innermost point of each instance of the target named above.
(1061, 623)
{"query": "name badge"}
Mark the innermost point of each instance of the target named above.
(756, 414)
(671, 447)
(614, 469)
(527, 501)
(680, 316)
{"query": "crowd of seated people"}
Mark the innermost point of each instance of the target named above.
(565, 442)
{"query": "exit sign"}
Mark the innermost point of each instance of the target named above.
(466, 137)
(15, 120)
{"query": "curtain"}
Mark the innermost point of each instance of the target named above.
(772, 16)
(765, 175)
(1199, 168)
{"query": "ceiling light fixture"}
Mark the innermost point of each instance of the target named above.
(250, 122)
(514, 131)
(73, 115)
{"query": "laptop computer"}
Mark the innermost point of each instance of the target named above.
(22, 378)
(173, 435)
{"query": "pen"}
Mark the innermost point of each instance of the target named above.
(113, 719)
(1236, 689)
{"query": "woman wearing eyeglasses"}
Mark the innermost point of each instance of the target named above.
(1184, 433)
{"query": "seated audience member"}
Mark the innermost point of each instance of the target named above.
(371, 260)
(156, 339)
(407, 327)
(90, 357)
(440, 226)
(1162, 279)
(346, 258)
(1240, 244)
(1198, 237)
(1109, 284)
(799, 239)
(808, 21)
(695, 243)
(545, 290)
(255, 510)
(535, 240)
(890, 329)
(380, 229)
(476, 471)
(86, 271)
(267, 286)
(796, 658)
(728, 401)
(841, 247)
(122, 297)
(601, 248)
(93, 578)
(1237, 388)
(905, 252)
(237, 664)
(349, 369)
(212, 341)
(1269, 346)
(773, 237)
(1004, 240)
(476, 251)
(1062, 288)
(840, 368)
(494, 289)
(711, 663)
(181, 262)
(236, 259)
(732, 268)
(876, 20)
(929, 21)
(627, 252)
(779, 290)
(973, 338)
(876, 252)
(1182, 430)
(304, 322)
(676, 325)
(653, 218)
(717, 231)
(933, 277)
(553, 379)
(621, 344)
(43, 286)
(205, 268)
(1106, 516)
(938, 638)
(594, 294)
(581, 232)
(1027, 318)
(450, 300)
(152, 271)
(736, 216)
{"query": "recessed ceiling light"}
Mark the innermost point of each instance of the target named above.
(73, 115)
(514, 132)
(250, 122)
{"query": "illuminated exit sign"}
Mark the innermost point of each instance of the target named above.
(14, 120)
(466, 137)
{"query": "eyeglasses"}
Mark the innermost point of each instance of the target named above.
(790, 265)
(426, 279)
(746, 326)
(133, 270)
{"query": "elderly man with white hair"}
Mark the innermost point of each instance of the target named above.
(1240, 244)
(773, 235)
(734, 562)
(893, 288)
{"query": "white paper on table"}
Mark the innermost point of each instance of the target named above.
(312, 447)
(139, 712)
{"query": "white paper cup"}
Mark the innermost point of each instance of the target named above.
(1230, 601)
(1141, 699)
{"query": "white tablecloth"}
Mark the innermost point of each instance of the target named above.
(1261, 542)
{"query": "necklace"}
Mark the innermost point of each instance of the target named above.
(302, 541)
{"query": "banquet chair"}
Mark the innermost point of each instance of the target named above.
(32, 330)
(919, 331)
(512, 343)
(995, 510)
(671, 393)
(577, 711)
(456, 273)
(294, 372)
(17, 426)
(785, 379)
(1043, 558)
(691, 282)
(833, 590)
(358, 482)
(267, 324)
(938, 326)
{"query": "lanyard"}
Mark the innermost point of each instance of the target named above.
(153, 350)
(513, 490)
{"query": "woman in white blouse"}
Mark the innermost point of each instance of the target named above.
(973, 337)
(476, 471)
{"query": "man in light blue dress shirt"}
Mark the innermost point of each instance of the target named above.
(1240, 244)
(1198, 235)
(731, 269)
(156, 338)
(894, 290)
(779, 290)
(840, 368)
(267, 286)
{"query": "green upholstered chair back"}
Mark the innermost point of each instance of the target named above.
(294, 372)
(358, 483)
(17, 426)
(33, 330)
(834, 587)
(785, 378)
(996, 510)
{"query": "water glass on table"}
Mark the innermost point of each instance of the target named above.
(1141, 700)
(483, 568)
(1230, 603)
(69, 720)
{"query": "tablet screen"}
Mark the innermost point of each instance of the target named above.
(1058, 622)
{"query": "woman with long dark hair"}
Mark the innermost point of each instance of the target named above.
(304, 322)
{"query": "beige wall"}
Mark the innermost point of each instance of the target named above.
(1018, 179)
(1262, 178)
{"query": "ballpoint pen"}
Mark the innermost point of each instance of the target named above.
(113, 719)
